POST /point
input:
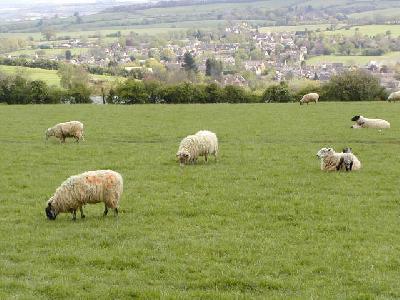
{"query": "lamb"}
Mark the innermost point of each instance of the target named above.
(395, 96)
(311, 97)
(333, 161)
(68, 129)
(89, 187)
(349, 160)
(210, 142)
(203, 143)
(362, 122)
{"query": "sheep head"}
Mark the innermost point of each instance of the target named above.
(50, 212)
(183, 157)
(48, 133)
(324, 152)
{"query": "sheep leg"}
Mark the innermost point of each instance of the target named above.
(105, 210)
(206, 158)
(74, 215)
(116, 212)
(81, 210)
(340, 164)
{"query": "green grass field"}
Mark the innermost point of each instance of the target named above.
(48, 76)
(370, 30)
(263, 222)
(390, 58)
(49, 52)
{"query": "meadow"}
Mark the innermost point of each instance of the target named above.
(262, 222)
(48, 76)
(390, 58)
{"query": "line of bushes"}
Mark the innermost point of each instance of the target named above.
(19, 90)
(348, 86)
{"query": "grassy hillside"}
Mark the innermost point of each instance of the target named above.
(49, 76)
(388, 58)
(263, 222)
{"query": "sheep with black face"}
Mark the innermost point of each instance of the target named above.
(362, 122)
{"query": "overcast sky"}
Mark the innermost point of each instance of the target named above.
(3, 2)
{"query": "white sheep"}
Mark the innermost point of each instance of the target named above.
(333, 161)
(395, 96)
(209, 143)
(362, 122)
(189, 149)
(311, 97)
(89, 187)
(68, 129)
(203, 143)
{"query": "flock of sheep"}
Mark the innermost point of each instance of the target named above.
(107, 186)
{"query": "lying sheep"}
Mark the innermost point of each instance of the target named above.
(362, 122)
(89, 187)
(209, 143)
(203, 143)
(68, 129)
(333, 161)
(395, 96)
(349, 160)
(311, 97)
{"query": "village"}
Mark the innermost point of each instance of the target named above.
(273, 56)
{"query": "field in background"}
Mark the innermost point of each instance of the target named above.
(388, 58)
(370, 30)
(263, 221)
(49, 76)
(49, 52)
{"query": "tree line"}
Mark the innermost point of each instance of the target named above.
(355, 85)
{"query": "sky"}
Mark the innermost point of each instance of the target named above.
(3, 2)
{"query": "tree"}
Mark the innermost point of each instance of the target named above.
(39, 92)
(68, 55)
(48, 33)
(131, 92)
(277, 93)
(189, 63)
(213, 68)
(71, 76)
(354, 86)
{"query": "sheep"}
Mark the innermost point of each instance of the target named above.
(333, 161)
(203, 143)
(68, 129)
(89, 187)
(395, 96)
(189, 149)
(311, 97)
(349, 160)
(210, 142)
(362, 122)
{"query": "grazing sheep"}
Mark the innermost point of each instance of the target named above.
(190, 149)
(209, 143)
(311, 97)
(89, 187)
(68, 129)
(395, 96)
(203, 143)
(333, 161)
(362, 122)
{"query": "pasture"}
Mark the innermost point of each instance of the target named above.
(48, 76)
(390, 58)
(263, 222)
